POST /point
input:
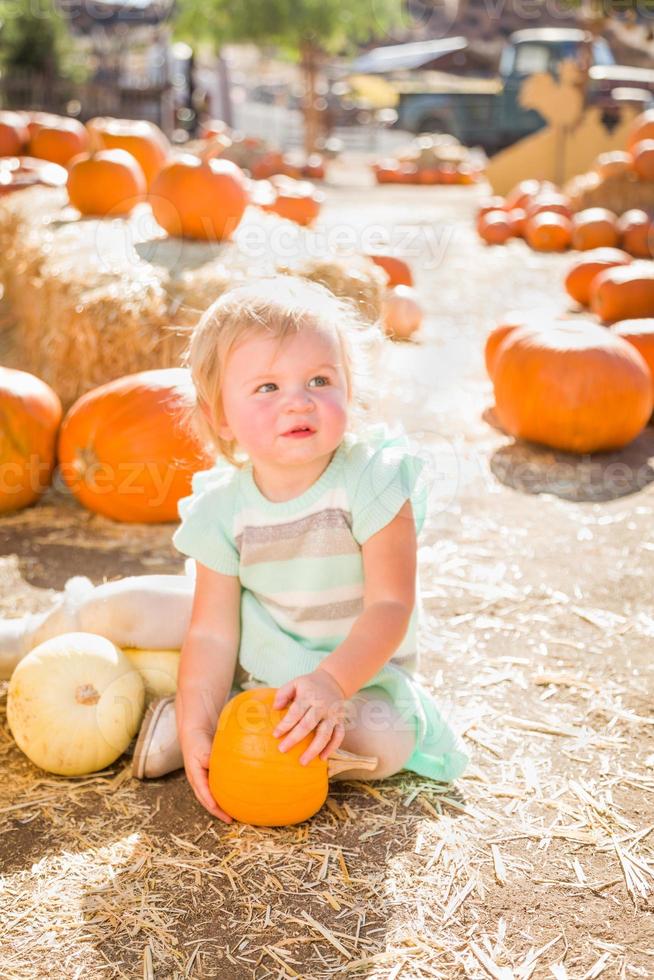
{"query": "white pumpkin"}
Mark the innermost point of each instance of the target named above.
(158, 668)
(401, 312)
(74, 704)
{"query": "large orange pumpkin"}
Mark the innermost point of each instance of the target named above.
(624, 292)
(124, 451)
(401, 312)
(106, 182)
(574, 387)
(59, 139)
(548, 231)
(643, 154)
(594, 228)
(194, 198)
(142, 139)
(397, 270)
(13, 134)
(639, 333)
(642, 128)
(635, 229)
(510, 322)
(583, 271)
(250, 778)
(30, 413)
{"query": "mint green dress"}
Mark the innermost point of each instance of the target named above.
(300, 565)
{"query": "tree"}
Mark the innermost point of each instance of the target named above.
(309, 29)
(34, 37)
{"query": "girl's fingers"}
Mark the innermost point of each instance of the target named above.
(334, 743)
(291, 718)
(197, 777)
(302, 729)
(321, 739)
(284, 694)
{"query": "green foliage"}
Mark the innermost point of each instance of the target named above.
(326, 24)
(34, 37)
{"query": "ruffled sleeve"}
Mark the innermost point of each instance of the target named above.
(205, 532)
(382, 472)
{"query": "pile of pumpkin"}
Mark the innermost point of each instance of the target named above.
(257, 157)
(544, 218)
(577, 385)
(111, 165)
(431, 160)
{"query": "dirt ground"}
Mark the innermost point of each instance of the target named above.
(537, 572)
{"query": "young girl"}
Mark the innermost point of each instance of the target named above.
(304, 541)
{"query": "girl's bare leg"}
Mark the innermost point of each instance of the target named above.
(146, 611)
(375, 727)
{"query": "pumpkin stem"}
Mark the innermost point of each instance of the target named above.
(86, 694)
(341, 761)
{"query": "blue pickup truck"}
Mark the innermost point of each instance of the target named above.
(486, 111)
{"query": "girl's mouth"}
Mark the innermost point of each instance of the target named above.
(300, 432)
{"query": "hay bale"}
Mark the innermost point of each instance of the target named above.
(356, 278)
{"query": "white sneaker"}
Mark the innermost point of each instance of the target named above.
(157, 750)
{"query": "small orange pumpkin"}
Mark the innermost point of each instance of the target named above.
(642, 128)
(517, 221)
(583, 271)
(59, 139)
(13, 134)
(635, 230)
(643, 155)
(295, 200)
(594, 228)
(574, 387)
(194, 198)
(401, 312)
(397, 270)
(640, 334)
(145, 141)
(31, 413)
(494, 227)
(525, 191)
(613, 163)
(123, 450)
(250, 779)
(106, 182)
(624, 292)
(551, 202)
(548, 231)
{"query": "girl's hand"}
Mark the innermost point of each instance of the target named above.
(318, 704)
(196, 749)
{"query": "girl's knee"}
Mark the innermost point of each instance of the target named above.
(374, 727)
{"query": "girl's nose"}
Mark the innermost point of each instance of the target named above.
(300, 398)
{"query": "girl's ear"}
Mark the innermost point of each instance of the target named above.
(216, 421)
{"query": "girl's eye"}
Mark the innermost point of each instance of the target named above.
(265, 385)
(321, 377)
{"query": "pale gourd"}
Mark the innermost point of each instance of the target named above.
(74, 704)
(158, 668)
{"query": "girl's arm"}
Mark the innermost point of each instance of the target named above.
(389, 568)
(206, 671)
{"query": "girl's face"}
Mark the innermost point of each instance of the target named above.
(271, 391)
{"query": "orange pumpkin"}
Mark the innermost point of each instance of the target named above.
(640, 334)
(194, 198)
(548, 231)
(635, 230)
(106, 182)
(59, 139)
(574, 387)
(249, 778)
(583, 271)
(142, 139)
(401, 312)
(525, 191)
(213, 127)
(494, 227)
(642, 128)
(643, 154)
(397, 270)
(314, 168)
(594, 228)
(613, 164)
(123, 451)
(490, 204)
(510, 321)
(16, 173)
(517, 221)
(13, 134)
(551, 202)
(387, 171)
(31, 413)
(624, 292)
(295, 200)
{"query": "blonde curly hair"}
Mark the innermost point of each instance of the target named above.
(280, 306)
